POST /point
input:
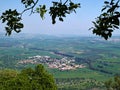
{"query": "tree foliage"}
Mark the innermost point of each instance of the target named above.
(104, 24)
(27, 79)
(12, 19)
(108, 21)
(113, 84)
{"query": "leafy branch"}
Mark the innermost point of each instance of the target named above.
(29, 4)
(108, 21)
(104, 25)
(61, 9)
(12, 18)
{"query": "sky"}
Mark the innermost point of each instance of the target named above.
(74, 24)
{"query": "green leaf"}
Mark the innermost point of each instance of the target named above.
(115, 26)
(37, 10)
(42, 11)
(103, 9)
(110, 34)
(116, 21)
(61, 19)
(117, 12)
(106, 2)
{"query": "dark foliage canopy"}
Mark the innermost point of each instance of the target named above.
(104, 24)
(109, 20)
(27, 79)
(113, 84)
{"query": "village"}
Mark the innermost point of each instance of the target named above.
(62, 64)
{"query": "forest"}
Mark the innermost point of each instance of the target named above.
(100, 57)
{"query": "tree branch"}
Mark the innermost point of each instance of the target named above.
(30, 8)
(65, 2)
(60, 1)
(112, 16)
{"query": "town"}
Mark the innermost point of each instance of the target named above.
(62, 64)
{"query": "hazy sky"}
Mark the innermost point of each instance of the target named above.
(77, 24)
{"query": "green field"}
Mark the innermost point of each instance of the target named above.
(102, 58)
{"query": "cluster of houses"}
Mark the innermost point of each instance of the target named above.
(64, 63)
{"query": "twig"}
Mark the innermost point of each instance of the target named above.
(32, 7)
(65, 2)
(60, 1)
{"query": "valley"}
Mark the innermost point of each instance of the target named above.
(79, 63)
